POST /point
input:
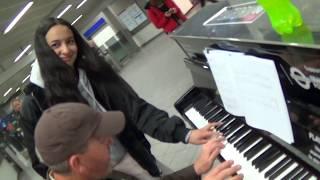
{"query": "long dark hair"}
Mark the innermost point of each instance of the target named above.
(60, 79)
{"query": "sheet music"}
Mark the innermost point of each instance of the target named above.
(254, 87)
(225, 81)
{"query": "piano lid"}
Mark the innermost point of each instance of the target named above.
(259, 31)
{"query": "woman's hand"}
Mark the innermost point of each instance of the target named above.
(173, 10)
(209, 153)
(223, 171)
(168, 13)
(201, 136)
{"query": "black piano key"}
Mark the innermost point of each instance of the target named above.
(255, 149)
(276, 167)
(225, 120)
(200, 104)
(206, 104)
(228, 126)
(263, 156)
(307, 176)
(211, 112)
(293, 173)
(282, 169)
(237, 134)
(203, 109)
(301, 174)
(247, 142)
(213, 115)
(196, 104)
(244, 139)
(216, 117)
(269, 160)
(206, 109)
(225, 123)
(233, 128)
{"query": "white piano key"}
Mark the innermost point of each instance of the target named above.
(313, 178)
(212, 109)
(244, 134)
(224, 117)
(287, 171)
(249, 172)
(304, 175)
(273, 163)
(253, 144)
(260, 152)
(227, 123)
(196, 118)
(231, 153)
(235, 130)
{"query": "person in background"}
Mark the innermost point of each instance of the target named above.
(165, 14)
(14, 132)
(78, 138)
(68, 70)
(16, 105)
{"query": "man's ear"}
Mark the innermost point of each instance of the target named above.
(74, 163)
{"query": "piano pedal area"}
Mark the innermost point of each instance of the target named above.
(261, 155)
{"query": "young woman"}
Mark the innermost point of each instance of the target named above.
(70, 71)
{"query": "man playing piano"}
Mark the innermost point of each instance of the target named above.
(74, 141)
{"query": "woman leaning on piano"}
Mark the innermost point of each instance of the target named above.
(68, 70)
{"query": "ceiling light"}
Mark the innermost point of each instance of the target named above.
(6, 93)
(22, 53)
(17, 89)
(79, 5)
(76, 19)
(18, 17)
(64, 11)
(26, 78)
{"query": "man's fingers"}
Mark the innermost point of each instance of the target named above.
(214, 154)
(211, 126)
(222, 166)
(214, 141)
(227, 172)
(236, 177)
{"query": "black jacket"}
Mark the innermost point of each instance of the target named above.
(141, 117)
(31, 112)
(187, 173)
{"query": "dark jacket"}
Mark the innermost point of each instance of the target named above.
(157, 17)
(31, 111)
(187, 173)
(141, 117)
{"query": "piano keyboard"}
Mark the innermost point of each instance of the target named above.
(259, 157)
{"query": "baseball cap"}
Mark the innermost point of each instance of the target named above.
(64, 129)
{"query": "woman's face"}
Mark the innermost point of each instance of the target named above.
(61, 40)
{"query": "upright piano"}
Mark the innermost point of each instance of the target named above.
(297, 58)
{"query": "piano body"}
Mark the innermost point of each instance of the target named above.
(297, 59)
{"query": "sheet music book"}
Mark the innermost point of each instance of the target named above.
(249, 86)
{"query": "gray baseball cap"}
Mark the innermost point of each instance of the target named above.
(64, 129)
